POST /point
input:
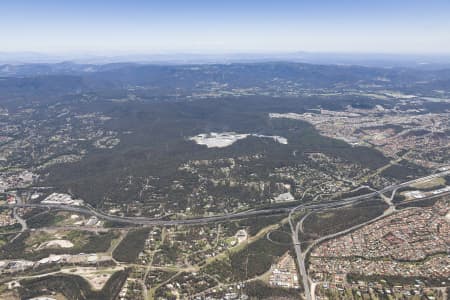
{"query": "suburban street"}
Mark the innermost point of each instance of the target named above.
(295, 226)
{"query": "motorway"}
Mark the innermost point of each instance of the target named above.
(305, 278)
(221, 218)
(298, 252)
(301, 255)
(312, 206)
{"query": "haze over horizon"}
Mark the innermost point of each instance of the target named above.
(134, 27)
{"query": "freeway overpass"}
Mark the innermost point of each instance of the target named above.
(226, 217)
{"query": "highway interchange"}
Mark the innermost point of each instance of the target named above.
(301, 255)
(89, 210)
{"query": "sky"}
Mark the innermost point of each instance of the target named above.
(219, 26)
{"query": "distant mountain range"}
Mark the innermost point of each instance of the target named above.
(364, 59)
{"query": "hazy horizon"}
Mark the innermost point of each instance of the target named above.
(138, 27)
(344, 58)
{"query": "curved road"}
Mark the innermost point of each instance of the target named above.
(270, 211)
(301, 256)
(22, 223)
(89, 210)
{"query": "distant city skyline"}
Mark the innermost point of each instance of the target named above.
(122, 27)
